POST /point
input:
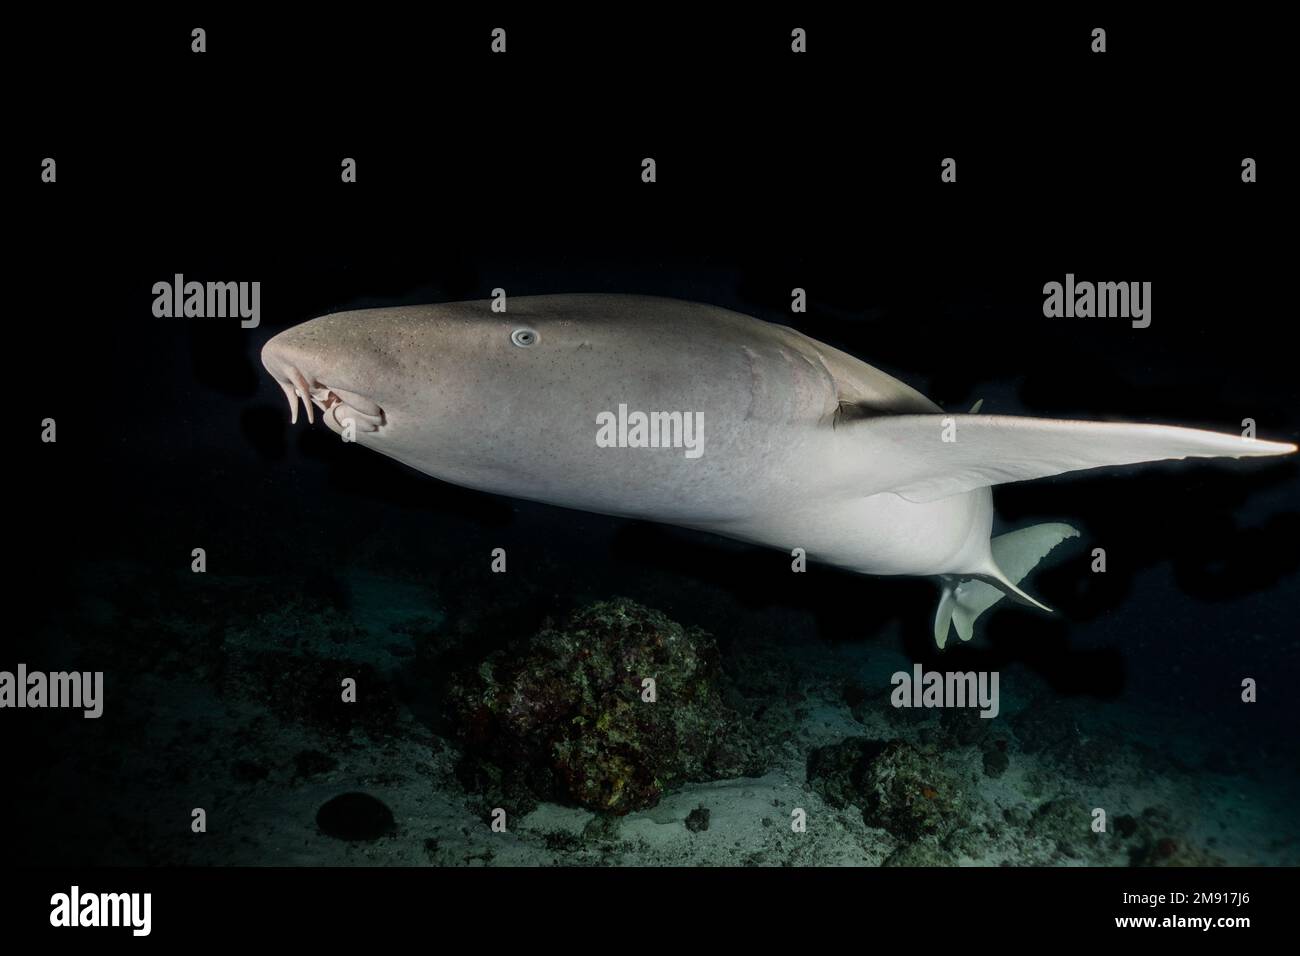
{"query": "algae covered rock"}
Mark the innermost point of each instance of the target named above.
(568, 715)
(899, 787)
(836, 772)
(908, 794)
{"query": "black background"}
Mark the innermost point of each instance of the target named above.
(774, 171)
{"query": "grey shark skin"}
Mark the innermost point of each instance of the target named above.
(803, 446)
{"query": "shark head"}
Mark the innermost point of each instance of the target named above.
(502, 401)
(402, 380)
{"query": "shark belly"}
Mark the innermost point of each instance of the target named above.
(879, 534)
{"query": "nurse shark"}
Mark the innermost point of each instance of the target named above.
(697, 416)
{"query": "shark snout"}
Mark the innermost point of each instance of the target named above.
(302, 376)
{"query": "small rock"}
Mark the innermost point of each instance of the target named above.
(355, 817)
(698, 820)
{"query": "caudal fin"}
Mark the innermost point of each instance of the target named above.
(1014, 555)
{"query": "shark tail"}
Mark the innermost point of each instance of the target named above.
(1012, 556)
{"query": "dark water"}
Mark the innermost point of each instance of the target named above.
(171, 437)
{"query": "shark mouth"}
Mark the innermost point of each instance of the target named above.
(338, 406)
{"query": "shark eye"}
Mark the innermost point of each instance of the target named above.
(524, 338)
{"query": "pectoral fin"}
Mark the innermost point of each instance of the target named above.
(927, 457)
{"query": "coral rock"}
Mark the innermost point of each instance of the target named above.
(561, 716)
